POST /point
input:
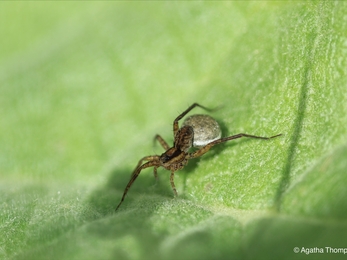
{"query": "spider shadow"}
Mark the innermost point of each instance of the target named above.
(102, 221)
(145, 182)
(103, 200)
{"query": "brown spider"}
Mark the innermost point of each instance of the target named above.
(176, 157)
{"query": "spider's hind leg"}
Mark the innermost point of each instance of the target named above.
(207, 147)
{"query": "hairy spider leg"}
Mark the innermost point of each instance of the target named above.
(172, 182)
(165, 146)
(207, 147)
(175, 124)
(154, 163)
(146, 158)
(162, 142)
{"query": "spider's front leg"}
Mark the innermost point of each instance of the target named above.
(153, 162)
(146, 158)
(207, 147)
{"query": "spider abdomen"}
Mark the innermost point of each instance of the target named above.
(206, 129)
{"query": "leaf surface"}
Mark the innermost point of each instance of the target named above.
(85, 86)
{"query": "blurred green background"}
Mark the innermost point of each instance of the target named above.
(85, 86)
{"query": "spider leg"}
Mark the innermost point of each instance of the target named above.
(175, 123)
(136, 173)
(172, 183)
(155, 173)
(146, 158)
(207, 147)
(162, 142)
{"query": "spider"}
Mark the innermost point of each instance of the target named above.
(176, 157)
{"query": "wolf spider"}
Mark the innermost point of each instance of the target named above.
(176, 157)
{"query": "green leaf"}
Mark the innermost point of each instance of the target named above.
(84, 87)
